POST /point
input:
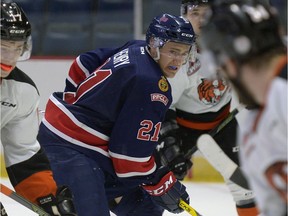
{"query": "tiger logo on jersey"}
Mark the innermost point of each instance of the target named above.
(211, 91)
(163, 84)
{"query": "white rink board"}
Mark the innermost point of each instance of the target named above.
(209, 199)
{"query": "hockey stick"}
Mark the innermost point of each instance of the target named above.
(13, 195)
(220, 161)
(218, 128)
(215, 156)
(185, 206)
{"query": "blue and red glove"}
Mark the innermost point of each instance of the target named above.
(168, 192)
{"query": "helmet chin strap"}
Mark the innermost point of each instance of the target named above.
(157, 52)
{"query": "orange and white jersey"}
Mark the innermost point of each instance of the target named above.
(19, 117)
(194, 92)
(263, 141)
(26, 163)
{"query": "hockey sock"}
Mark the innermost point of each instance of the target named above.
(247, 210)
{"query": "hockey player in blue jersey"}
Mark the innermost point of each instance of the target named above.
(101, 132)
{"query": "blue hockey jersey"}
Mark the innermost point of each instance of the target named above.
(111, 109)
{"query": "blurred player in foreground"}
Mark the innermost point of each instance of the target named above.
(101, 132)
(26, 163)
(200, 103)
(253, 57)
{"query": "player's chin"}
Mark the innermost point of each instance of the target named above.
(6, 70)
(3, 73)
(171, 71)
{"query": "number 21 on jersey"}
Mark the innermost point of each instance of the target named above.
(149, 131)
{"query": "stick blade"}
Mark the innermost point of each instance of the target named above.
(215, 156)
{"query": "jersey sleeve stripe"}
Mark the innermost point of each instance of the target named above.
(77, 72)
(133, 174)
(82, 67)
(126, 169)
(126, 166)
(125, 157)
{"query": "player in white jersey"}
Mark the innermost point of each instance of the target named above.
(26, 163)
(200, 103)
(253, 56)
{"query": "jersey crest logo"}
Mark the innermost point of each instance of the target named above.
(194, 67)
(163, 84)
(211, 91)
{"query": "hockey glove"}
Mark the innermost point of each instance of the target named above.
(168, 192)
(168, 152)
(61, 205)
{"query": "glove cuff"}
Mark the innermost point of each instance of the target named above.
(62, 204)
(164, 185)
(49, 204)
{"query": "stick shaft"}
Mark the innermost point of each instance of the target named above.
(218, 128)
(228, 119)
(13, 195)
(188, 208)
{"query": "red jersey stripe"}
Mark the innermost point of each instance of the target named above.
(127, 166)
(76, 73)
(71, 127)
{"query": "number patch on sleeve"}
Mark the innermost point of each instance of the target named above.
(148, 128)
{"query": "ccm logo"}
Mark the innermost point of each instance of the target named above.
(187, 35)
(15, 31)
(163, 186)
(7, 104)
